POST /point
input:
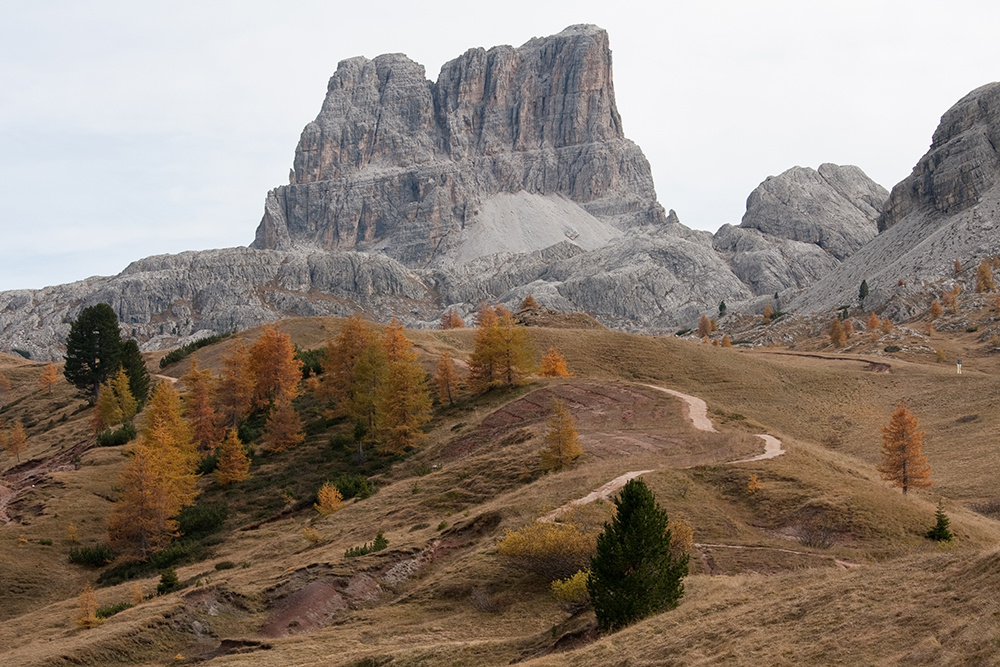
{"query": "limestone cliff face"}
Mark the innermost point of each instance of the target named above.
(947, 209)
(961, 166)
(397, 164)
(165, 299)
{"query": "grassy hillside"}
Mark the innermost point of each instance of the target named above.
(825, 564)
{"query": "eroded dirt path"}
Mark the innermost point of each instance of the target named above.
(602, 493)
(696, 413)
(710, 564)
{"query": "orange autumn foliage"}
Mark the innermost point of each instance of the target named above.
(274, 368)
(903, 463)
(554, 364)
(234, 390)
(447, 380)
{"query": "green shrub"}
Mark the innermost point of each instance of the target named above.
(114, 438)
(634, 573)
(174, 356)
(355, 485)
(45, 541)
(377, 544)
(22, 353)
(98, 555)
(168, 582)
(109, 610)
(225, 565)
(312, 360)
(940, 531)
(201, 520)
(891, 348)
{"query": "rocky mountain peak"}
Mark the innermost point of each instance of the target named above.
(961, 165)
(834, 207)
(397, 164)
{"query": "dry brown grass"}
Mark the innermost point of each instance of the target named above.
(444, 508)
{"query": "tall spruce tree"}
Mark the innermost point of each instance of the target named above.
(633, 574)
(93, 349)
(135, 368)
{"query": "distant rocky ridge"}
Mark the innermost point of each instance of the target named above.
(509, 175)
(947, 209)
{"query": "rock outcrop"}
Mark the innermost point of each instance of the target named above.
(397, 164)
(947, 209)
(163, 299)
(800, 225)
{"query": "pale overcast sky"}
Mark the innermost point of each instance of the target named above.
(135, 128)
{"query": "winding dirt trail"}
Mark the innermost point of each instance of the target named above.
(696, 413)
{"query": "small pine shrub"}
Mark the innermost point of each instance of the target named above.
(355, 485)
(168, 582)
(109, 610)
(377, 544)
(891, 348)
(115, 438)
(98, 555)
(202, 519)
(940, 532)
(225, 565)
(45, 541)
(174, 356)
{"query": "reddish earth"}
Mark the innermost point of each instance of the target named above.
(613, 419)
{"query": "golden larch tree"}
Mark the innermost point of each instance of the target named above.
(451, 320)
(328, 499)
(984, 277)
(342, 356)
(403, 401)
(872, 323)
(486, 316)
(837, 335)
(936, 310)
(198, 409)
(143, 518)
(514, 359)
(886, 325)
(283, 429)
(903, 463)
(848, 328)
(48, 378)
(167, 436)
(529, 302)
(554, 364)
(561, 436)
(16, 440)
(234, 391)
(768, 312)
(87, 608)
(482, 362)
(363, 389)
(234, 464)
(958, 267)
(275, 369)
(704, 326)
(115, 402)
(447, 379)
(727, 341)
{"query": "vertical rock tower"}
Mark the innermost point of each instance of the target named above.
(507, 137)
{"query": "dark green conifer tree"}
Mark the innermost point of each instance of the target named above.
(93, 349)
(633, 574)
(135, 368)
